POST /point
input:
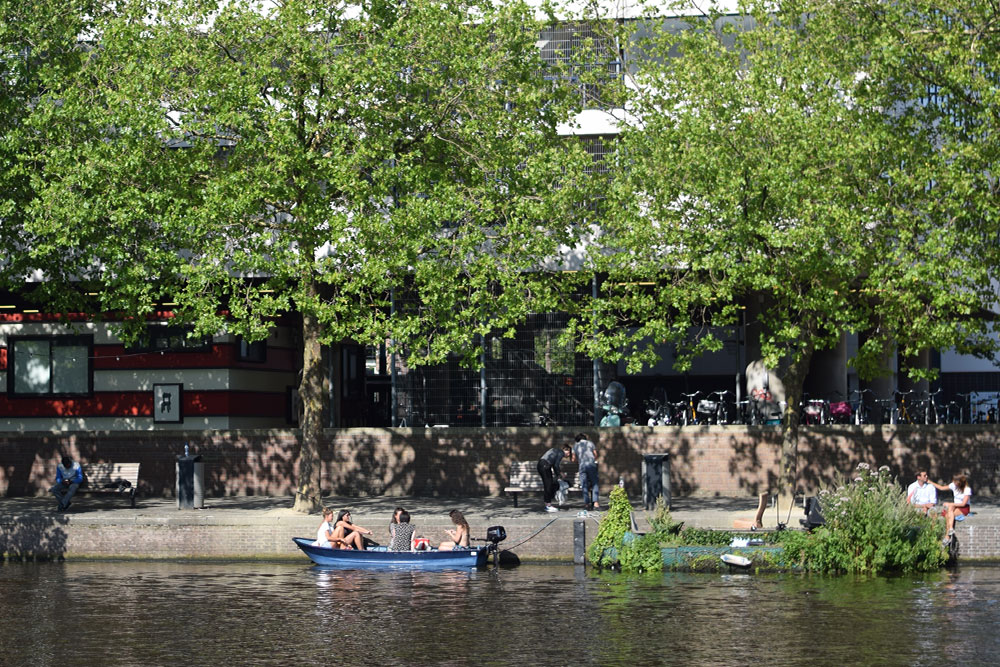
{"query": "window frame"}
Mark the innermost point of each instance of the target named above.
(156, 332)
(252, 353)
(69, 340)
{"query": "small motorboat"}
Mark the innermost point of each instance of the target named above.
(380, 556)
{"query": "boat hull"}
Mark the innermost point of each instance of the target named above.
(381, 557)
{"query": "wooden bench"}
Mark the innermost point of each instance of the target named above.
(117, 478)
(524, 477)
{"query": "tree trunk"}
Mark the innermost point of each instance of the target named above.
(307, 495)
(794, 380)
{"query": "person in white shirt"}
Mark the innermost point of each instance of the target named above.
(961, 504)
(324, 535)
(921, 493)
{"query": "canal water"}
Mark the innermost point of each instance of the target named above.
(151, 613)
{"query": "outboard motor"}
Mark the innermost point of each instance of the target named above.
(814, 515)
(495, 535)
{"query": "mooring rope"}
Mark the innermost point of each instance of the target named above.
(533, 534)
(514, 546)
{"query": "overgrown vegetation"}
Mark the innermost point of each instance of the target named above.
(603, 551)
(870, 528)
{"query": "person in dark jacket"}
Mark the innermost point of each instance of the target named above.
(548, 468)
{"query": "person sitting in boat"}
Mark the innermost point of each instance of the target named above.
(459, 536)
(325, 535)
(349, 533)
(393, 521)
(402, 533)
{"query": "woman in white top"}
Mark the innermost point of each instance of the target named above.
(961, 504)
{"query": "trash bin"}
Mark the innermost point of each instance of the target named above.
(190, 482)
(655, 479)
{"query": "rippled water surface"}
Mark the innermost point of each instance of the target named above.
(126, 613)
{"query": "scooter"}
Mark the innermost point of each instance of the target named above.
(614, 404)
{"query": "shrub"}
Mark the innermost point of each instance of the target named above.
(611, 532)
(634, 553)
(870, 528)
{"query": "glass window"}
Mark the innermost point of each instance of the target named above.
(255, 351)
(171, 339)
(56, 365)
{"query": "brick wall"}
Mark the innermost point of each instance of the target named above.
(705, 461)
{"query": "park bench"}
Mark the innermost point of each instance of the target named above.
(115, 478)
(524, 477)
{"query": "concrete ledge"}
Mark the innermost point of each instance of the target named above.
(259, 528)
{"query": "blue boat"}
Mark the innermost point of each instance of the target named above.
(431, 559)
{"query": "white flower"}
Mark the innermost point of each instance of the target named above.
(883, 468)
(864, 466)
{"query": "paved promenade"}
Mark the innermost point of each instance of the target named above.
(262, 527)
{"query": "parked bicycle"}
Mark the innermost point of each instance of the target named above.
(902, 413)
(929, 409)
(690, 409)
(861, 406)
(814, 411)
(659, 413)
(885, 411)
(722, 414)
(840, 411)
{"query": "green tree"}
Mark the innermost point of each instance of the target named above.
(39, 46)
(248, 160)
(791, 156)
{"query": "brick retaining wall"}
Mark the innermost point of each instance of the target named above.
(201, 536)
(705, 461)
(215, 537)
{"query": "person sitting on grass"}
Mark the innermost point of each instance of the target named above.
(349, 533)
(459, 536)
(961, 503)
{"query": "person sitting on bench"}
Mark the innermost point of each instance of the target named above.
(69, 477)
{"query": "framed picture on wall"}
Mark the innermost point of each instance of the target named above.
(167, 407)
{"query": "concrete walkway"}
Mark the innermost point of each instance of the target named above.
(262, 527)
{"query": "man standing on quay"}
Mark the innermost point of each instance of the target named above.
(69, 477)
(586, 454)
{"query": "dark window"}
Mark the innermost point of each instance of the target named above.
(173, 339)
(49, 365)
(255, 351)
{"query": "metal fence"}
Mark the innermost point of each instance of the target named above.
(530, 379)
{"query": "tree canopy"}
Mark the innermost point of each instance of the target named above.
(248, 160)
(831, 164)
